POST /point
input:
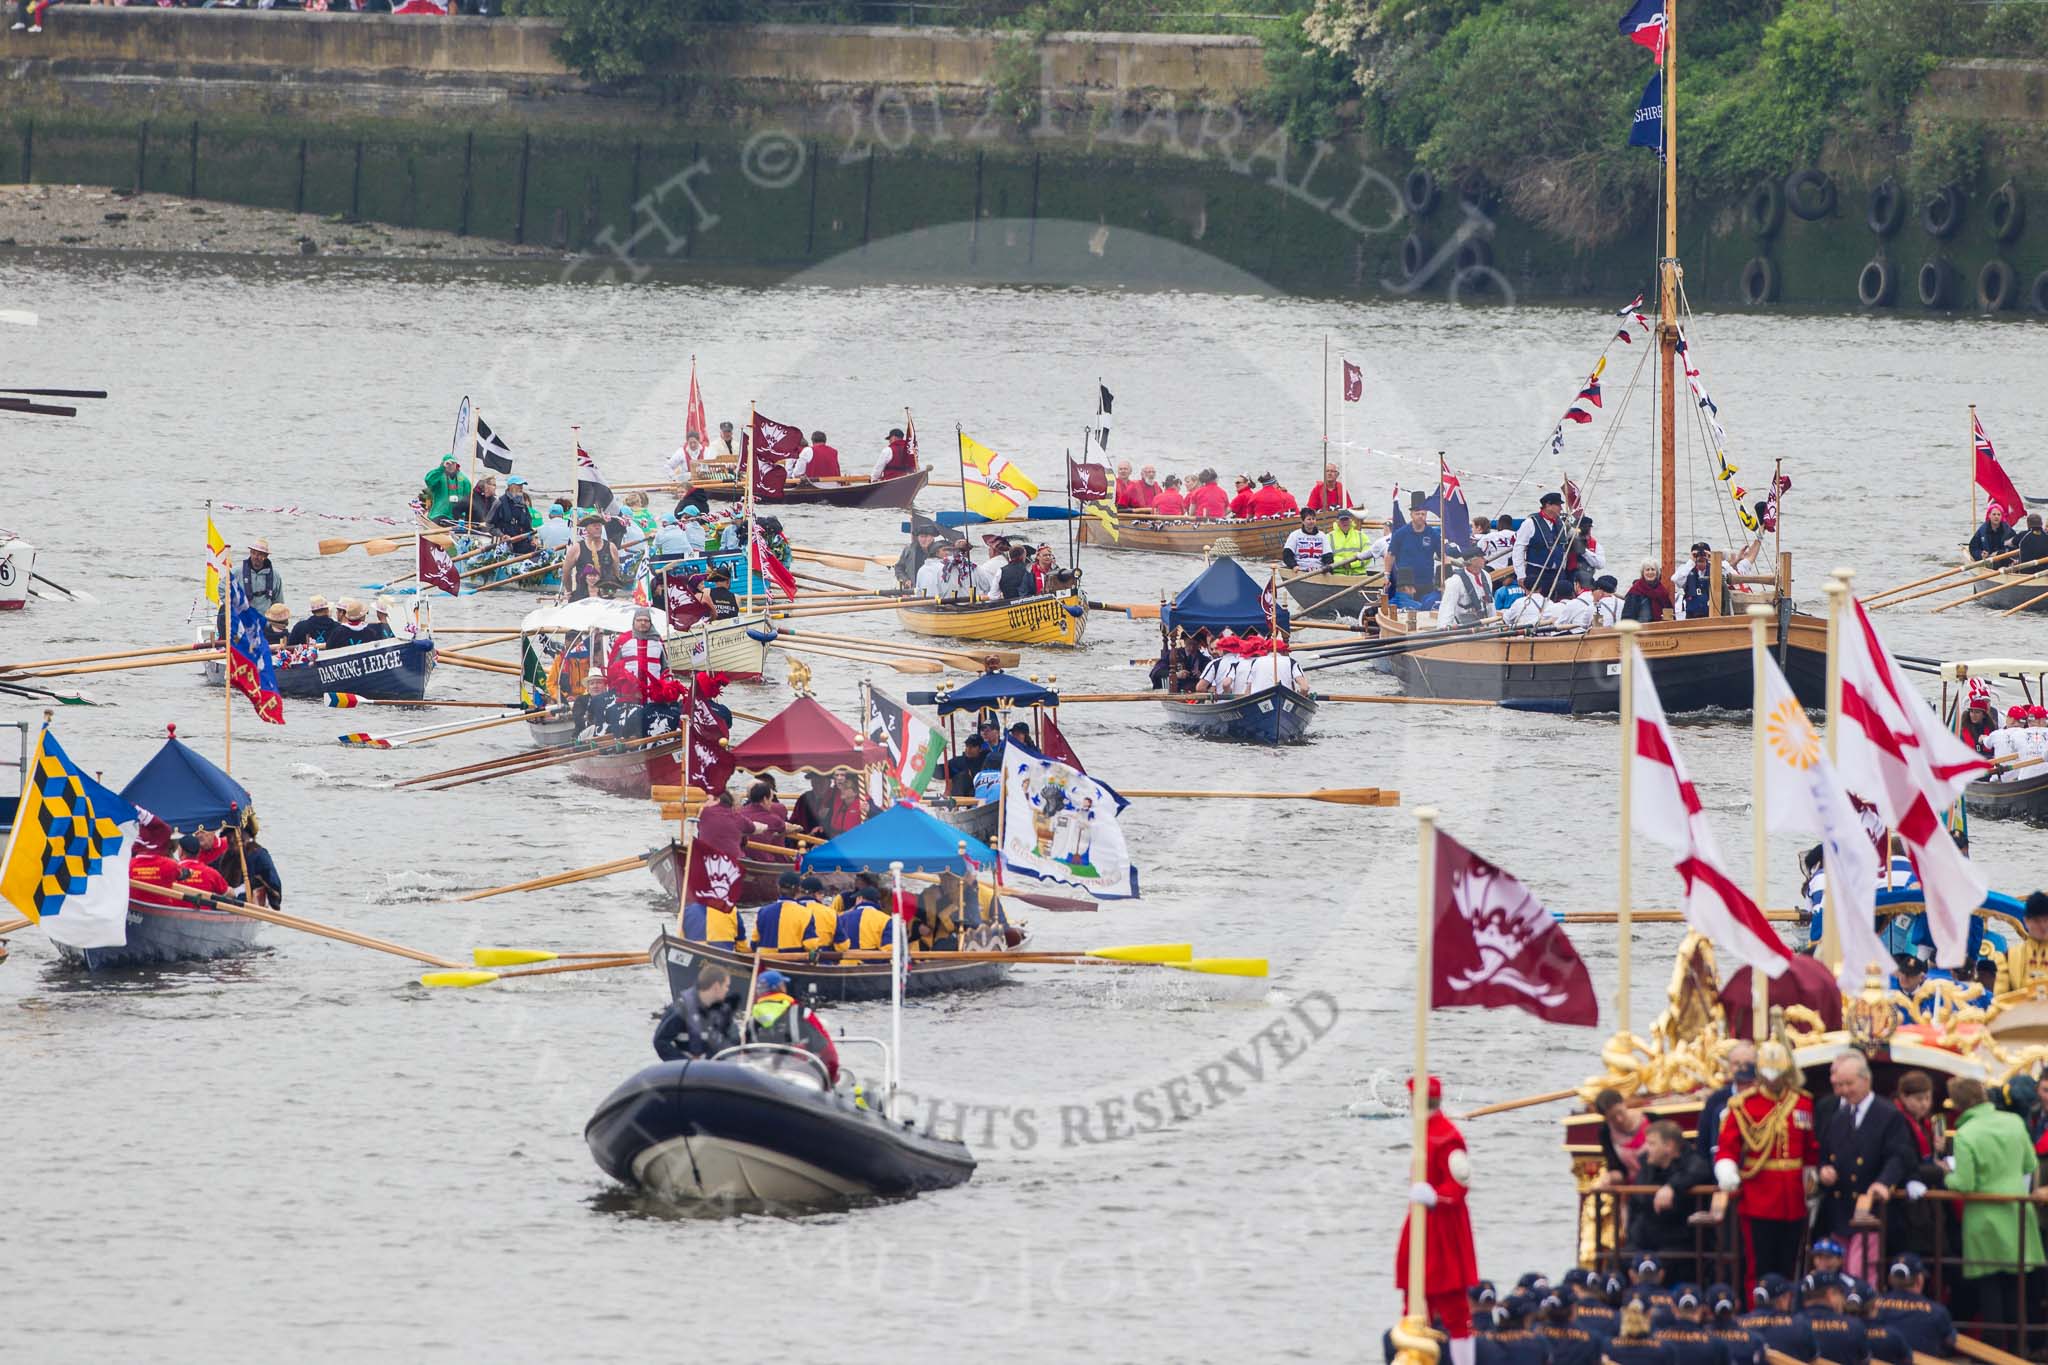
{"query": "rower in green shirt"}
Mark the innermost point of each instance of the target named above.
(447, 491)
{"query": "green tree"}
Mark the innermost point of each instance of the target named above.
(620, 40)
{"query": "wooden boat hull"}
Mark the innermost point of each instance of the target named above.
(977, 821)
(1334, 597)
(899, 492)
(382, 670)
(1053, 619)
(1277, 715)
(2007, 591)
(837, 982)
(1246, 540)
(1697, 665)
(2022, 798)
(162, 934)
(720, 647)
(628, 774)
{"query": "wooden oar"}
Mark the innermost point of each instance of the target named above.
(504, 760)
(1875, 598)
(479, 665)
(1547, 1097)
(1966, 598)
(284, 921)
(958, 658)
(200, 656)
(463, 978)
(1983, 1351)
(427, 734)
(1370, 699)
(850, 563)
(151, 652)
(350, 701)
(581, 874)
(1660, 916)
(545, 568)
(812, 580)
(1335, 796)
(12, 925)
(647, 745)
(918, 666)
(2024, 605)
(799, 613)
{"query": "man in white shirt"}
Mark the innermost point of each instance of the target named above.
(684, 456)
(946, 574)
(554, 532)
(1221, 676)
(684, 538)
(1606, 606)
(724, 448)
(1520, 610)
(1499, 543)
(1307, 549)
(1466, 599)
(987, 576)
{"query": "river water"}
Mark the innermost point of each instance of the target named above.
(304, 1153)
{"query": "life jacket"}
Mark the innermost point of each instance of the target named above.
(1352, 542)
(1546, 557)
(777, 1018)
(901, 461)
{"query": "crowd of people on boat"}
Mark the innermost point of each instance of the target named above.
(2016, 741)
(939, 563)
(2017, 548)
(817, 461)
(1226, 664)
(231, 861)
(1201, 496)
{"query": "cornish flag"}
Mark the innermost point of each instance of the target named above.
(1105, 402)
(1644, 23)
(491, 446)
(1667, 808)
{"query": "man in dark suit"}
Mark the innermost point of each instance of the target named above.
(1866, 1152)
(1741, 1072)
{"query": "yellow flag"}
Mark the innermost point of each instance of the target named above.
(993, 486)
(1106, 517)
(216, 558)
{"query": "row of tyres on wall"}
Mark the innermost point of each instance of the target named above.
(1942, 248)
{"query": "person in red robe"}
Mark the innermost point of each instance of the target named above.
(1272, 500)
(1241, 501)
(1450, 1266)
(1328, 495)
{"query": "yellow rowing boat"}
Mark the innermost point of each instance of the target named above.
(1057, 618)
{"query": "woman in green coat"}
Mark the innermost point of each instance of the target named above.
(1993, 1155)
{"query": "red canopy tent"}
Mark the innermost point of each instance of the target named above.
(805, 738)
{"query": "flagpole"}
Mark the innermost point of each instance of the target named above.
(227, 656)
(1759, 661)
(747, 467)
(683, 804)
(1343, 426)
(1326, 403)
(1971, 447)
(960, 459)
(896, 931)
(1418, 1098)
(1625, 888)
(475, 414)
(1831, 928)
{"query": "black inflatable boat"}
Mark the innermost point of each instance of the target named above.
(758, 1126)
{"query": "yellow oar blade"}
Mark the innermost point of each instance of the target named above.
(1146, 952)
(1222, 966)
(334, 545)
(458, 979)
(510, 957)
(380, 547)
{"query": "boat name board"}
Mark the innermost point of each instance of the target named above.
(1050, 612)
(349, 670)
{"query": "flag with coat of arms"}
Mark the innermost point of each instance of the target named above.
(251, 671)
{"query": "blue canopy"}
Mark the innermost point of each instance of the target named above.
(921, 842)
(994, 689)
(1223, 597)
(185, 791)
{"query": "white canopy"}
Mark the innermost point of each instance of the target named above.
(1985, 668)
(592, 613)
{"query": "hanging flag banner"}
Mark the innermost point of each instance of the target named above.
(1992, 478)
(462, 445)
(770, 479)
(1060, 825)
(1495, 946)
(1354, 382)
(216, 560)
(776, 441)
(251, 671)
(591, 489)
(1644, 23)
(1647, 128)
(991, 485)
(437, 569)
(66, 862)
(696, 427)
(916, 749)
(1087, 482)
(497, 455)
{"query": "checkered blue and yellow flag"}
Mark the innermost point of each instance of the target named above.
(66, 863)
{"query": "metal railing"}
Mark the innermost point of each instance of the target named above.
(1716, 1254)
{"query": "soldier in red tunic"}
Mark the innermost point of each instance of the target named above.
(1768, 1151)
(1451, 1268)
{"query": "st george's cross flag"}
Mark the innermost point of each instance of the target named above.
(1992, 478)
(1894, 751)
(66, 861)
(1803, 792)
(1667, 808)
(1644, 23)
(1494, 945)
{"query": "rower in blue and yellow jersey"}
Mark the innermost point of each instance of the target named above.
(789, 923)
(865, 927)
(716, 923)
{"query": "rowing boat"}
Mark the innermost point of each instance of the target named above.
(1258, 538)
(1274, 715)
(383, 670)
(2022, 797)
(1334, 596)
(1057, 618)
(837, 982)
(899, 491)
(732, 646)
(17, 563)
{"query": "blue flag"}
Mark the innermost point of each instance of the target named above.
(1648, 128)
(1644, 23)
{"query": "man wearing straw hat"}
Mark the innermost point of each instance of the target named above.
(261, 582)
(316, 627)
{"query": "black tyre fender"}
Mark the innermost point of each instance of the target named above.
(1941, 213)
(1810, 195)
(1415, 254)
(1997, 284)
(2006, 213)
(1419, 191)
(1937, 283)
(1876, 283)
(1760, 281)
(1887, 212)
(1764, 210)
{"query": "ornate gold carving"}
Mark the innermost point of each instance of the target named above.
(1686, 1045)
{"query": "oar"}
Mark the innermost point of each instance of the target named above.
(463, 979)
(2024, 605)
(336, 545)
(72, 593)
(581, 874)
(813, 580)
(200, 656)
(850, 563)
(399, 739)
(502, 761)
(1335, 796)
(58, 393)
(919, 666)
(347, 700)
(44, 694)
(152, 651)
(284, 921)
(548, 567)
(1966, 598)
(799, 613)
(649, 746)
(522, 957)
(958, 658)
(1878, 597)
(477, 665)
(1547, 1097)
(1661, 916)
(13, 925)
(1371, 699)
(1137, 611)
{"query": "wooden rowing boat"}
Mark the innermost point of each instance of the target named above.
(836, 982)
(900, 491)
(1058, 618)
(1259, 538)
(383, 670)
(728, 646)
(2008, 590)
(1696, 664)
(1275, 715)
(1334, 596)
(2023, 797)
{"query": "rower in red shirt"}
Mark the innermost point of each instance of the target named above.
(1271, 500)
(1328, 495)
(195, 865)
(1241, 502)
(1169, 502)
(1126, 488)
(1146, 490)
(154, 868)
(1207, 498)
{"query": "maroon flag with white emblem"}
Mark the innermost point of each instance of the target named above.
(713, 874)
(776, 441)
(710, 764)
(1495, 946)
(1354, 382)
(437, 570)
(1087, 482)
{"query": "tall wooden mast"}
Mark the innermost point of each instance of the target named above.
(1667, 311)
